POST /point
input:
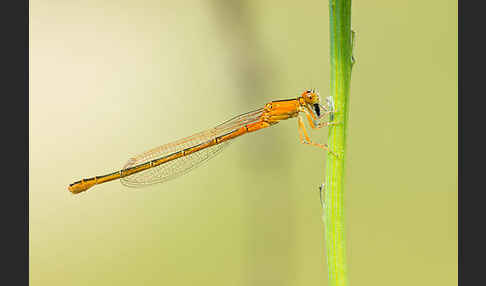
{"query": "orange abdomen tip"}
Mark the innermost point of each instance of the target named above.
(81, 186)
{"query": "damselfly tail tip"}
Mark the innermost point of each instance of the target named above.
(80, 186)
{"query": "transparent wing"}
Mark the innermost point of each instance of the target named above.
(182, 165)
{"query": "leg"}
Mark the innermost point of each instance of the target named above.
(321, 124)
(304, 138)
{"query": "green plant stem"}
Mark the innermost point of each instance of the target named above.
(333, 213)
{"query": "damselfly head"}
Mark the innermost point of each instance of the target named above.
(311, 96)
(313, 100)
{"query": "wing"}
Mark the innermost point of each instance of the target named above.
(183, 165)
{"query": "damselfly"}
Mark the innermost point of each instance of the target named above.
(179, 157)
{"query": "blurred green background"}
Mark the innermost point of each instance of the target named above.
(110, 79)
